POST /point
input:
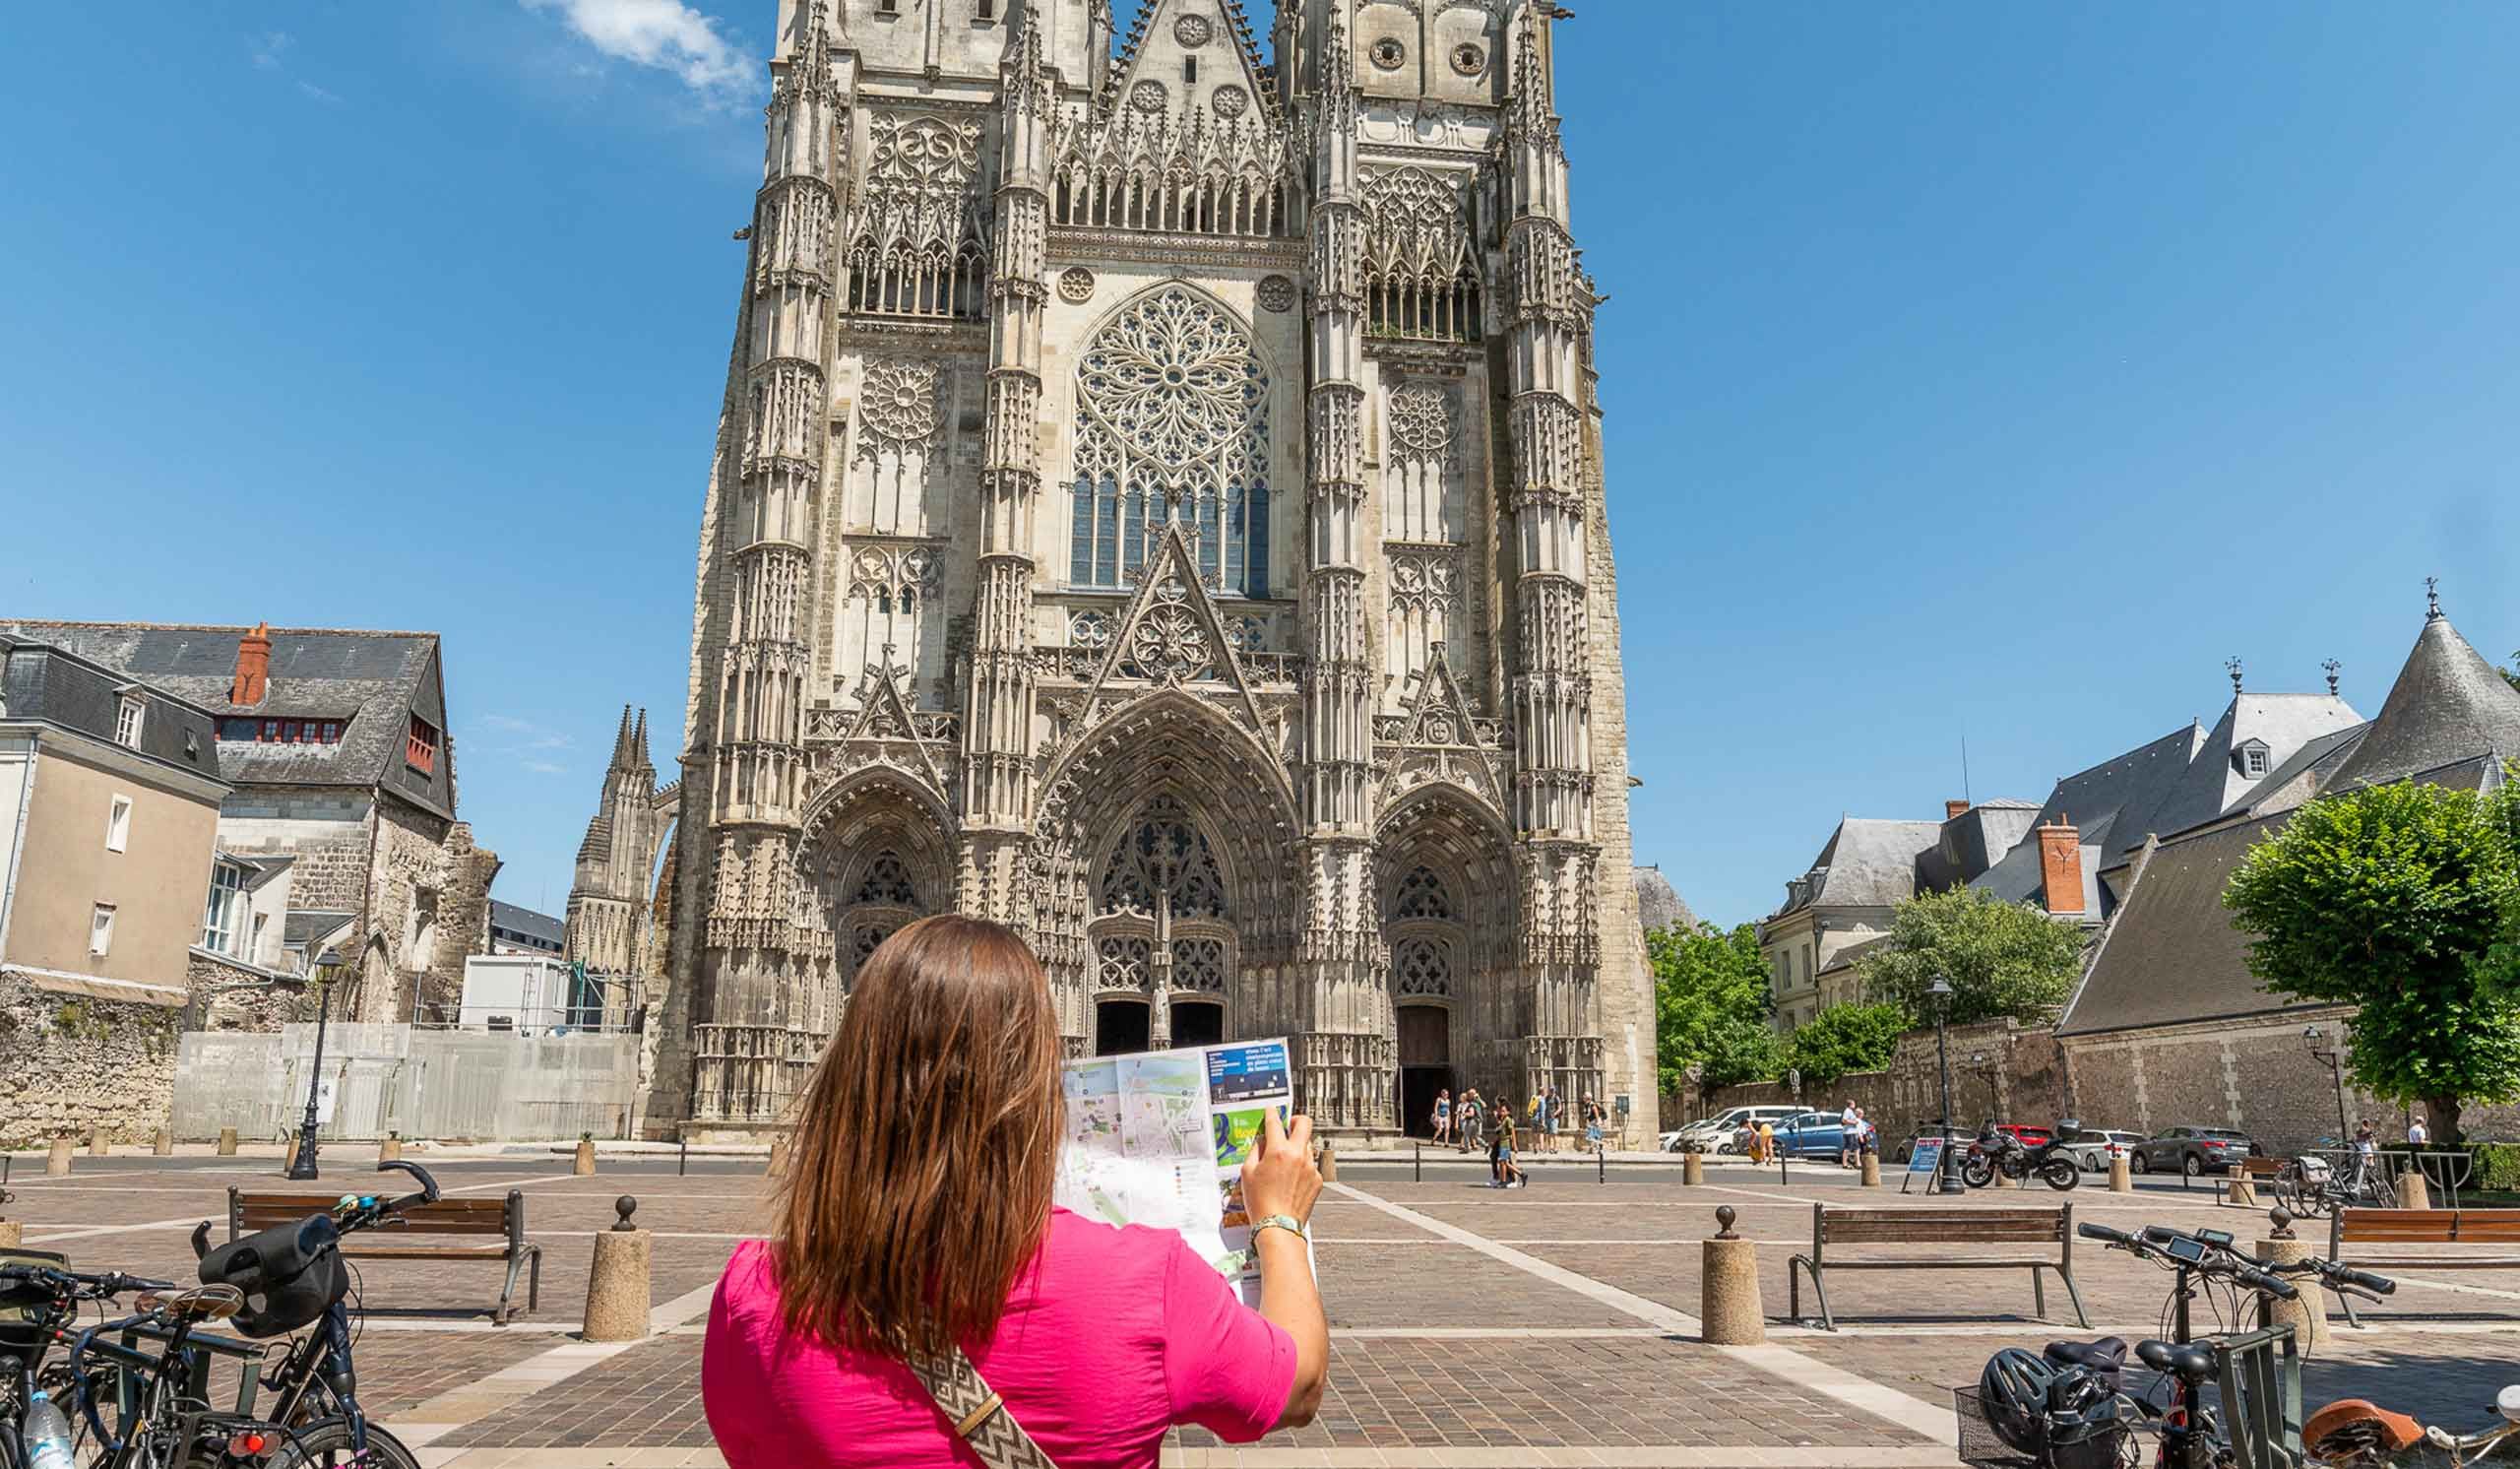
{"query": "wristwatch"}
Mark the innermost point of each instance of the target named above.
(1287, 1221)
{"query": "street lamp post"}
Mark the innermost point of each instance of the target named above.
(303, 1170)
(1946, 1167)
(2334, 1057)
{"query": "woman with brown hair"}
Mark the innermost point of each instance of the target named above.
(922, 1303)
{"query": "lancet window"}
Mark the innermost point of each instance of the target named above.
(1422, 277)
(1171, 428)
(915, 248)
(1162, 906)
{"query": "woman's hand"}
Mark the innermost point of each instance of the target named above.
(1279, 1178)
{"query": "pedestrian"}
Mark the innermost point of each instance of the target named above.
(1501, 1158)
(1444, 1112)
(1868, 1141)
(2367, 1151)
(1470, 1120)
(1767, 1141)
(1847, 1131)
(1594, 1121)
(1553, 1116)
(917, 1246)
(2417, 1134)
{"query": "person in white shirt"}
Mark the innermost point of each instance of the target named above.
(2417, 1136)
(1850, 1127)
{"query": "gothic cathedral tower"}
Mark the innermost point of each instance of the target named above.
(1157, 504)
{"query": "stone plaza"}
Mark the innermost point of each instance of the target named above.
(1552, 1325)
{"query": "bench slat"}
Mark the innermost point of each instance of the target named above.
(426, 1251)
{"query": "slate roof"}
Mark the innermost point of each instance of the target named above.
(1872, 862)
(2173, 956)
(2449, 716)
(44, 682)
(527, 922)
(1659, 905)
(373, 681)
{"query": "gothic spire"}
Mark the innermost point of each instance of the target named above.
(639, 743)
(621, 743)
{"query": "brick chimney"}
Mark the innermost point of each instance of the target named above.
(253, 667)
(1953, 810)
(2060, 868)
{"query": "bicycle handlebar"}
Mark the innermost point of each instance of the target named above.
(2104, 1233)
(95, 1287)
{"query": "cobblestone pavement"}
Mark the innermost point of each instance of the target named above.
(1548, 1325)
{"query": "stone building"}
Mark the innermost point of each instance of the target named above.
(1157, 503)
(336, 745)
(2168, 1027)
(617, 899)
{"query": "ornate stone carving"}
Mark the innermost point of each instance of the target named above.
(1148, 95)
(1089, 629)
(1275, 293)
(1169, 645)
(902, 403)
(1076, 286)
(1388, 53)
(1229, 100)
(1194, 30)
(1470, 58)
(1422, 420)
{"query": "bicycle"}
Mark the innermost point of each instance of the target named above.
(296, 1277)
(2356, 1433)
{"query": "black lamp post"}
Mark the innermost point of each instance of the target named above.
(302, 1168)
(2334, 1057)
(1948, 1164)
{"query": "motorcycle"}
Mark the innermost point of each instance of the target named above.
(2001, 1153)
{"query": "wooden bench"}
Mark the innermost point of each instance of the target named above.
(1935, 1226)
(2498, 1229)
(2255, 1170)
(505, 1218)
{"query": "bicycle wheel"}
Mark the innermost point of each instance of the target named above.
(327, 1445)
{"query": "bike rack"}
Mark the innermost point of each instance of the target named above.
(2259, 1377)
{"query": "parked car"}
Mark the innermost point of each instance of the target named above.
(2092, 1147)
(1907, 1149)
(1717, 1133)
(2192, 1150)
(2026, 1135)
(1811, 1134)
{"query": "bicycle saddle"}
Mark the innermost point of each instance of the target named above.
(2189, 1364)
(210, 1303)
(2104, 1358)
(290, 1275)
(2358, 1427)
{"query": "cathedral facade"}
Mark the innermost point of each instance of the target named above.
(1157, 504)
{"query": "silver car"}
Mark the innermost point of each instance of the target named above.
(2092, 1147)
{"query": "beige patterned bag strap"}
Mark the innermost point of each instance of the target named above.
(979, 1415)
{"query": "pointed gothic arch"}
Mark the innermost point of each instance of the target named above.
(1446, 897)
(877, 853)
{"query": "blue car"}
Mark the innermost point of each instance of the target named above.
(1813, 1134)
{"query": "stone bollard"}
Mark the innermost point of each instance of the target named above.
(390, 1149)
(13, 1234)
(1729, 1311)
(98, 1147)
(1329, 1163)
(289, 1160)
(2241, 1190)
(2307, 1315)
(1872, 1169)
(2414, 1190)
(1692, 1167)
(584, 1166)
(56, 1164)
(2121, 1174)
(617, 1285)
(162, 1146)
(777, 1155)
(227, 1142)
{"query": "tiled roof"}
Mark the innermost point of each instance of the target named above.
(2449, 710)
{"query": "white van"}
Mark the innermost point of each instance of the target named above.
(1715, 1134)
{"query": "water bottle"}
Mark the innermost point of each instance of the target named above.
(47, 1435)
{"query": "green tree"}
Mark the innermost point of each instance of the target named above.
(1711, 1006)
(2403, 900)
(1846, 1037)
(2001, 958)
(2512, 672)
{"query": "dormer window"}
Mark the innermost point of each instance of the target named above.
(2254, 758)
(420, 752)
(127, 723)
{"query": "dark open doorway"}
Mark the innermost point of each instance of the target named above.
(1197, 1023)
(1425, 1065)
(1120, 1027)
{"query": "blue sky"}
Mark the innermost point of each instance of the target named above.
(1974, 370)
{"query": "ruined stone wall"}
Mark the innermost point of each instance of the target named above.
(230, 996)
(68, 1063)
(428, 890)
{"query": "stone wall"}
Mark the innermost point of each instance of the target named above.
(420, 862)
(2000, 1068)
(68, 1063)
(230, 996)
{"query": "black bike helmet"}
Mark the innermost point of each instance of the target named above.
(2013, 1394)
(290, 1274)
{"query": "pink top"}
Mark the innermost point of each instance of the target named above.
(1111, 1337)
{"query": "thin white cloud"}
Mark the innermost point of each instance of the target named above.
(524, 734)
(666, 35)
(546, 767)
(268, 47)
(318, 93)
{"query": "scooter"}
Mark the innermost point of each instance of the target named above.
(2001, 1153)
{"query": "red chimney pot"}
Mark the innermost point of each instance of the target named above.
(2060, 869)
(253, 667)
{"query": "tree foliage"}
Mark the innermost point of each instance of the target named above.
(2001, 958)
(2512, 672)
(2403, 900)
(1711, 1006)
(1846, 1037)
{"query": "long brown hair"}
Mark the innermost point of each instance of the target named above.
(919, 1183)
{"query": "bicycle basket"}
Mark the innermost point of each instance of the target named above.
(23, 1306)
(2106, 1444)
(290, 1274)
